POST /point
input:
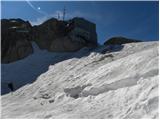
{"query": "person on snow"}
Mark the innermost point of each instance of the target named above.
(10, 86)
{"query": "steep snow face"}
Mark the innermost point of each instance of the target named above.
(116, 84)
(26, 71)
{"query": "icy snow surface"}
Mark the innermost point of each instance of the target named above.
(116, 84)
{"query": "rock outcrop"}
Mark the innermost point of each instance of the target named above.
(119, 41)
(65, 36)
(81, 29)
(53, 35)
(45, 33)
(15, 40)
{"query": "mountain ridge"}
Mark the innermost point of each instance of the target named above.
(53, 35)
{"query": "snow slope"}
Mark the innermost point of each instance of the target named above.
(28, 69)
(118, 84)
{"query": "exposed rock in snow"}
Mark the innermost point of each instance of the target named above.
(120, 83)
(119, 41)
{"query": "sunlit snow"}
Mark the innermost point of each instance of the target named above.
(116, 84)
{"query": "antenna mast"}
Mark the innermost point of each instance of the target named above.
(58, 16)
(64, 13)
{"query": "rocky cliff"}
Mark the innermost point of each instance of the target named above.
(53, 35)
(16, 35)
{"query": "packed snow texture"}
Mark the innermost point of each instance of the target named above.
(119, 83)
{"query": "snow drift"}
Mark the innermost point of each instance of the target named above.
(116, 84)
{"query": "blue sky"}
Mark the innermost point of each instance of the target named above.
(132, 19)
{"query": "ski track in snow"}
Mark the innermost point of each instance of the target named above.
(118, 84)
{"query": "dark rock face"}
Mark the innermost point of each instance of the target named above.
(65, 44)
(82, 29)
(119, 41)
(48, 32)
(65, 36)
(53, 35)
(15, 40)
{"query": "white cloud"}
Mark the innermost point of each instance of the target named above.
(39, 20)
(46, 17)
